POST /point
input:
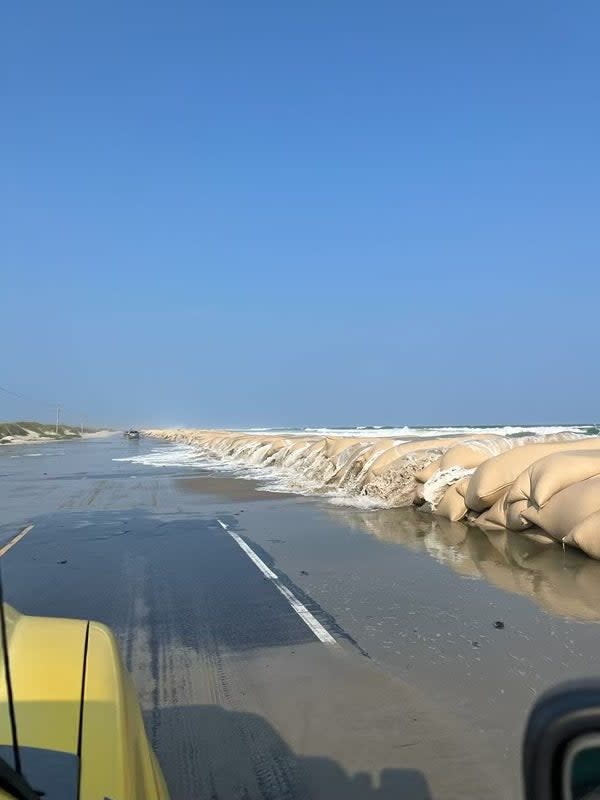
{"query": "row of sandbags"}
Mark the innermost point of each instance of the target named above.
(549, 487)
(381, 468)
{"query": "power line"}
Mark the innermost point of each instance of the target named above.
(55, 406)
(26, 397)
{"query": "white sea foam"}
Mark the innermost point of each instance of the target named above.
(176, 456)
(436, 486)
(406, 431)
(356, 501)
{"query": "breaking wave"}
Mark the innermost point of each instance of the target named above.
(372, 431)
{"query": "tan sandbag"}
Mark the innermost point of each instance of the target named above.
(515, 521)
(452, 505)
(355, 466)
(555, 472)
(542, 479)
(334, 446)
(472, 453)
(397, 451)
(566, 509)
(468, 455)
(275, 444)
(463, 486)
(504, 514)
(423, 475)
(494, 518)
(586, 535)
(492, 478)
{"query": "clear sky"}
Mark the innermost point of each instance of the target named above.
(301, 213)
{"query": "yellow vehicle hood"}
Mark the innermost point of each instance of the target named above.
(73, 698)
(47, 659)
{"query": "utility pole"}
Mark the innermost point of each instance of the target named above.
(57, 417)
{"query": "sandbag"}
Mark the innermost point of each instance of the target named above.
(452, 506)
(515, 521)
(469, 454)
(544, 478)
(472, 453)
(463, 486)
(494, 519)
(504, 515)
(566, 509)
(492, 478)
(397, 451)
(423, 475)
(586, 535)
(336, 445)
(466, 455)
(355, 467)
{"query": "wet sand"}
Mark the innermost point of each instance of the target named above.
(230, 490)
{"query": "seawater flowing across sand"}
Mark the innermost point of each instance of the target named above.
(538, 482)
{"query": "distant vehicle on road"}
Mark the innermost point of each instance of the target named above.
(132, 434)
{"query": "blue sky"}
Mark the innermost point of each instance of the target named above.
(309, 213)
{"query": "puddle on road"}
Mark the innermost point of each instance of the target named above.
(232, 490)
(562, 582)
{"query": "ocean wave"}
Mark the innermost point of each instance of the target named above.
(407, 432)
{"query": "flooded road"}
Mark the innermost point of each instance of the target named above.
(443, 635)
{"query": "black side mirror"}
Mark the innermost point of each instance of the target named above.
(561, 752)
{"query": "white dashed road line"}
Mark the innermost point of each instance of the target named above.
(14, 540)
(300, 609)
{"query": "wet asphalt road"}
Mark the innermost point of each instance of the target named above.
(240, 698)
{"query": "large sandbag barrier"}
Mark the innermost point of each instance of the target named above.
(546, 486)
